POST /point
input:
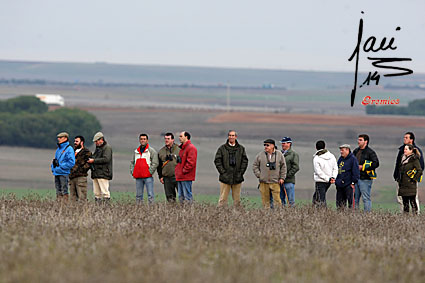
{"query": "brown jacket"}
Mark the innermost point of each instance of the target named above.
(81, 166)
(263, 172)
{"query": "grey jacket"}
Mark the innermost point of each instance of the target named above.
(262, 171)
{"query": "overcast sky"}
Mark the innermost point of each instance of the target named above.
(297, 35)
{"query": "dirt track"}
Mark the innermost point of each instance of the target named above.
(309, 119)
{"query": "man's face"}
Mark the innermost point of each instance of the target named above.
(168, 140)
(268, 147)
(99, 142)
(77, 143)
(407, 139)
(232, 137)
(143, 140)
(182, 137)
(344, 152)
(62, 139)
(361, 142)
(286, 145)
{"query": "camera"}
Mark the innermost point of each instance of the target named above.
(178, 159)
(271, 165)
(169, 157)
(55, 163)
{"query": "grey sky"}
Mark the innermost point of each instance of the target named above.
(302, 35)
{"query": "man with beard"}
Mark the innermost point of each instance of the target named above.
(61, 165)
(231, 163)
(78, 175)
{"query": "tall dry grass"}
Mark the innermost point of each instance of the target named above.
(45, 241)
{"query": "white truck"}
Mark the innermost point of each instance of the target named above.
(51, 99)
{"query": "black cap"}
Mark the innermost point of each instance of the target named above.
(270, 141)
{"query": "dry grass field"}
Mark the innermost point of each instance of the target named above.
(45, 241)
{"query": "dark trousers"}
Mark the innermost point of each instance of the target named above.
(344, 195)
(412, 201)
(170, 188)
(61, 185)
(319, 196)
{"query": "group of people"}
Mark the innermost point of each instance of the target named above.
(352, 174)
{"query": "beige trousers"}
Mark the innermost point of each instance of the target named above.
(224, 193)
(265, 194)
(101, 188)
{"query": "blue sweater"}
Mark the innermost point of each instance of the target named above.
(348, 171)
(66, 157)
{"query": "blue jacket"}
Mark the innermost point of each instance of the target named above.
(66, 157)
(348, 171)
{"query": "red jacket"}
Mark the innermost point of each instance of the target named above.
(186, 170)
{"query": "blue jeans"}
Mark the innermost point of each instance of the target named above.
(61, 185)
(140, 183)
(185, 191)
(363, 188)
(290, 194)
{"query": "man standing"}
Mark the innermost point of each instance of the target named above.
(142, 166)
(270, 168)
(325, 172)
(186, 167)
(287, 190)
(368, 162)
(101, 172)
(78, 176)
(61, 165)
(409, 138)
(231, 163)
(348, 175)
(167, 164)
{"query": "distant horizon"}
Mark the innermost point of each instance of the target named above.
(184, 66)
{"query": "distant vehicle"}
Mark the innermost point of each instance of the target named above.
(51, 99)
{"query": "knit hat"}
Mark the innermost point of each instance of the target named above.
(63, 134)
(98, 136)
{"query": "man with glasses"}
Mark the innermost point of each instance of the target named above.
(61, 165)
(270, 168)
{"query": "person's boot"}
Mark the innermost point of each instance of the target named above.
(106, 201)
(98, 201)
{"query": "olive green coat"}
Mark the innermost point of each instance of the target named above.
(102, 165)
(292, 165)
(407, 185)
(231, 175)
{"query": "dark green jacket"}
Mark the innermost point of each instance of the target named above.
(231, 174)
(292, 165)
(102, 165)
(167, 170)
(408, 186)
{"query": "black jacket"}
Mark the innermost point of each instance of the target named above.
(231, 174)
(102, 165)
(369, 155)
(396, 174)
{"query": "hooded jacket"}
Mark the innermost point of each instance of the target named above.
(231, 174)
(325, 166)
(66, 158)
(348, 171)
(396, 173)
(408, 185)
(186, 170)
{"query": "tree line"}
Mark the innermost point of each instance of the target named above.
(26, 121)
(415, 107)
